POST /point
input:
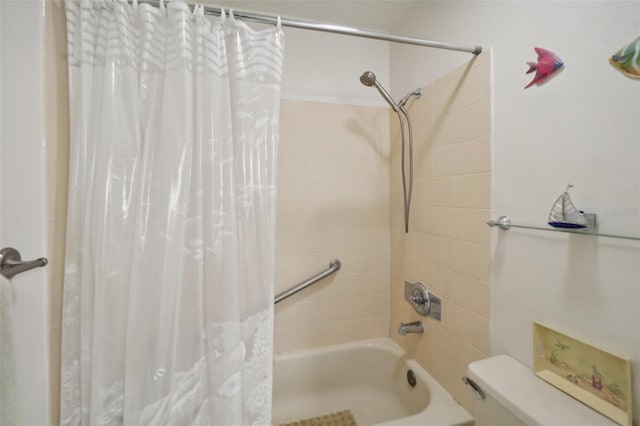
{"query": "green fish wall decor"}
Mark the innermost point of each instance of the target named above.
(627, 59)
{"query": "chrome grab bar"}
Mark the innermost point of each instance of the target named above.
(334, 266)
(11, 262)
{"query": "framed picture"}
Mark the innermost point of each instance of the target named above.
(593, 376)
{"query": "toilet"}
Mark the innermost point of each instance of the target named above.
(514, 396)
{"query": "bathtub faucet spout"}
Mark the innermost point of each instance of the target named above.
(411, 327)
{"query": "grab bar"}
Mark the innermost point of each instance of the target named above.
(11, 262)
(334, 266)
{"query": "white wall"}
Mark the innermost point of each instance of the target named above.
(22, 193)
(582, 127)
(327, 67)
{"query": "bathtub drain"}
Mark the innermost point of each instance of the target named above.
(411, 378)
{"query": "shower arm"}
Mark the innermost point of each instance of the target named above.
(417, 93)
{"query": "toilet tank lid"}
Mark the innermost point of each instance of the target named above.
(534, 401)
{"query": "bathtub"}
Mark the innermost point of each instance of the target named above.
(369, 377)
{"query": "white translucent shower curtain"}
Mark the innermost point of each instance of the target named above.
(168, 294)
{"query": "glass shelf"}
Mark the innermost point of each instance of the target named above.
(504, 223)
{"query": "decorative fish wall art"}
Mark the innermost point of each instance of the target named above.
(627, 59)
(547, 64)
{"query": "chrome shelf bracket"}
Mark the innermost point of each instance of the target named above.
(503, 222)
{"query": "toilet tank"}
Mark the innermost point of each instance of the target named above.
(515, 397)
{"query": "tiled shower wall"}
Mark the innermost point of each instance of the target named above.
(447, 247)
(333, 202)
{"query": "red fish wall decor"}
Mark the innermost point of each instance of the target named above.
(548, 63)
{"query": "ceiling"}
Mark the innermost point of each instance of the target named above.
(382, 15)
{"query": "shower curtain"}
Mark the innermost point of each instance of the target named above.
(168, 293)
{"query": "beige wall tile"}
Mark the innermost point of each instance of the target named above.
(470, 327)
(422, 160)
(443, 251)
(469, 86)
(473, 191)
(355, 284)
(440, 283)
(445, 90)
(379, 216)
(470, 225)
(417, 270)
(484, 263)
(473, 121)
(303, 337)
(444, 163)
(421, 246)
(473, 156)
(444, 221)
(291, 241)
(445, 191)
(424, 192)
(466, 258)
(333, 202)
(452, 348)
(448, 246)
(471, 294)
(443, 129)
(378, 260)
(341, 239)
(290, 167)
(449, 377)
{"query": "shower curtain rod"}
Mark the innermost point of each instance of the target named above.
(330, 28)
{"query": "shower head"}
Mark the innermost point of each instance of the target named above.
(369, 79)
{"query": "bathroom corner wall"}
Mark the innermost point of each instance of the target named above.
(448, 244)
(581, 127)
(56, 172)
(22, 199)
(333, 192)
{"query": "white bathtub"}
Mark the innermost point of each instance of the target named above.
(369, 377)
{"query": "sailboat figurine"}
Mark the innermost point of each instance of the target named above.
(565, 215)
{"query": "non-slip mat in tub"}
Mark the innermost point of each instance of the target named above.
(340, 418)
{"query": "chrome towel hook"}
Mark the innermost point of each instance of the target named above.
(11, 262)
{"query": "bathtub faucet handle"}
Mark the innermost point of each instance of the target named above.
(418, 299)
(418, 296)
